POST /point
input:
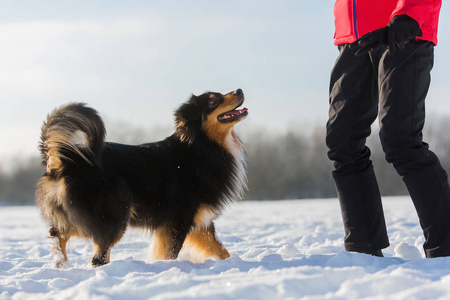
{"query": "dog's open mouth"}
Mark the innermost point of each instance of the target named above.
(233, 115)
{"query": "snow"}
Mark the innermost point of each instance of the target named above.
(279, 250)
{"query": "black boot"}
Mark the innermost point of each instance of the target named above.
(376, 252)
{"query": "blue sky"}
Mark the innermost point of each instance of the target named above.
(137, 61)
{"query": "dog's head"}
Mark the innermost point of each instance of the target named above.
(213, 113)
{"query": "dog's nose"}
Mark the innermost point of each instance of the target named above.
(238, 92)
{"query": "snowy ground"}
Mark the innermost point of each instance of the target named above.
(279, 250)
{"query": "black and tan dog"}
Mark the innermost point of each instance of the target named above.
(175, 188)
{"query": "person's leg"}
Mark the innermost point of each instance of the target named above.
(404, 81)
(353, 108)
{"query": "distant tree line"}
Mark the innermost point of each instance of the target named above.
(18, 186)
(289, 165)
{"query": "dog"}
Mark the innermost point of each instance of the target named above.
(174, 188)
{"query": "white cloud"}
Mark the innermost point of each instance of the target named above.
(39, 57)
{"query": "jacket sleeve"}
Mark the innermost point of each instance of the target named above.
(419, 10)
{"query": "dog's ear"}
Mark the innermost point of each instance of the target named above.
(189, 111)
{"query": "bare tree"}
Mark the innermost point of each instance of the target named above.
(287, 165)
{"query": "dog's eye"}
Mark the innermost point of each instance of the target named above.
(213, 102)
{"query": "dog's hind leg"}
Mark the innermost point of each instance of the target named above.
(102, 248)
(58, 242)
(203, 241)
(167, 242)
(102, 254)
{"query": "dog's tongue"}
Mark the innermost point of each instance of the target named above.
(236, 112)
(239, 111)
(232, 115)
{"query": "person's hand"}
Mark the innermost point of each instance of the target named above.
(371, 41)
(401, 30)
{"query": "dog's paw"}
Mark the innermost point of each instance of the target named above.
(60, 264)
(98, 261)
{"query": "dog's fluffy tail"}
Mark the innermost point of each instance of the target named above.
(71, 132)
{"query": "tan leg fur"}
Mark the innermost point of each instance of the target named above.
(204, 242)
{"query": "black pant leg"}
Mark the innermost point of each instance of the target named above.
(404, 81)
(353, 108)
(362, 211)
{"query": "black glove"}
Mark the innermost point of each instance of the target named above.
(401, 30)
(371, 41)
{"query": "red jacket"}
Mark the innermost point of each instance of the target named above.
(355, 18)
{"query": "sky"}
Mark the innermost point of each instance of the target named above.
(136, 61)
